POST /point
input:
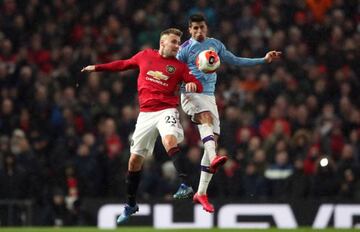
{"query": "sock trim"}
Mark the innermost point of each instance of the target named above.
(206, 169)
(208, 138)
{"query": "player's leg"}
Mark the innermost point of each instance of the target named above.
(205, 178)
(172, 134)
(203, 110)
(171, 146)
(206, 174)
(142, 144)
(133, 177)
(206, 130)
(132, 183)
(209, 129)
(206, 133)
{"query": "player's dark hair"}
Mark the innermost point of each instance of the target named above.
(196, 18)
(172, 30)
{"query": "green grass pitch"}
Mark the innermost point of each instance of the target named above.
(149, 229)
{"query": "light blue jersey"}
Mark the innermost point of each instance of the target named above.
(191, 48)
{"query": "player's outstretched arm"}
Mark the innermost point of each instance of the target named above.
(115, 66)
(272, 55)
(89, 68)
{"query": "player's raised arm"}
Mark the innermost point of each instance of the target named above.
(89, 68)
(272, 55)
(230, 58)
(114, 66)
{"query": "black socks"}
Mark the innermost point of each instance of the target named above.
(179, 161)
(132, 184)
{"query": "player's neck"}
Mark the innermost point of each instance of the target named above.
(163, 55)
(199, 40)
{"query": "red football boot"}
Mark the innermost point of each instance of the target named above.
(203, 200)
(217, 162)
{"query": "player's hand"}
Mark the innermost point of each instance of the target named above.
(89, 68)
(190, 87)
(272, 55)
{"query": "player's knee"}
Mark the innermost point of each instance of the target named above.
(205, 118)
(208, 118)
(169, 142)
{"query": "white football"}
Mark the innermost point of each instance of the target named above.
(208, 61)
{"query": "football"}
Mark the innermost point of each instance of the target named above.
(208, 61)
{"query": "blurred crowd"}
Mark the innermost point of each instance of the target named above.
(291, 129)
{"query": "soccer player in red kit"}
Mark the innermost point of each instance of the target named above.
(159, 77)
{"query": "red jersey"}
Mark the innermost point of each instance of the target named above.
(159, 78)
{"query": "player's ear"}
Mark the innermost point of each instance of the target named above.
(161, 43)
(162, 40)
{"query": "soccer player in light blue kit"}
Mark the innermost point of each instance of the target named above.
(202, 106)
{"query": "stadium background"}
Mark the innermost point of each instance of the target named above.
(64, 135)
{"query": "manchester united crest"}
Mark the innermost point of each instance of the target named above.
(170, 69)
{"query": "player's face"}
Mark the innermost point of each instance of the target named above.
(198, 30)
(170, 45)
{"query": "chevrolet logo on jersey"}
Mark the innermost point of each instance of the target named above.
(157, 75)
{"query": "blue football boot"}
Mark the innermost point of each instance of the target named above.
(184, 192)
(128, 211)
